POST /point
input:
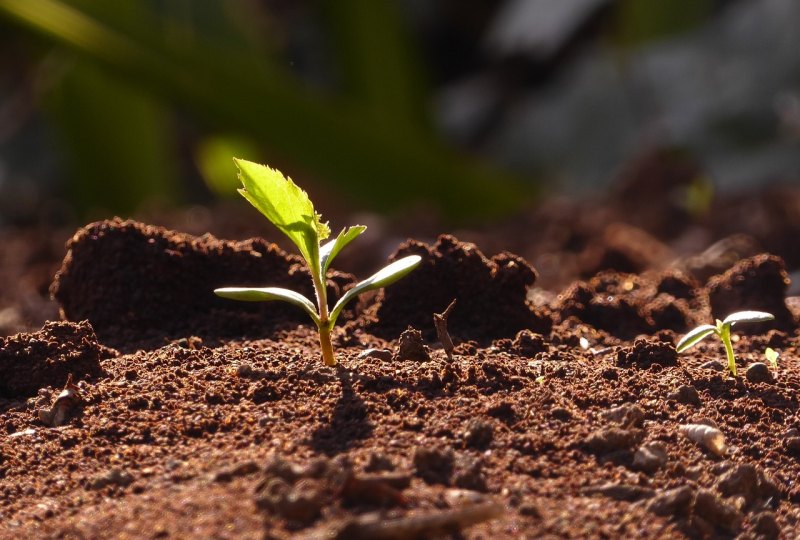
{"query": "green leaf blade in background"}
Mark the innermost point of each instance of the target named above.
(383, 165)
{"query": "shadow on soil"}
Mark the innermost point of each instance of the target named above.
(349, 421)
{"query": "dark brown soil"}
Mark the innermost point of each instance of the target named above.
(135, 282)
(562, 413)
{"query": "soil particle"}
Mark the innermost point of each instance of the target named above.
(235, 471)
(433, 465)
(712, 509)
(688, 395)
(621, 492)
(758, 283)
(713, 365)
(48, 357)
(115, 477)
(528, 344)
(766, 525)
(748, 481)
(606, 440)
(133, 281)
(645, 353)
(627, 415)
(561, 414)
(490, 293)
(411, 346)
(759, 372)
(479, 434)
(432, 524)
(650, 457)
(673, 502)
(384, 355)
(469, 474)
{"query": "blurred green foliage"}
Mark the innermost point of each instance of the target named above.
(126, 76)
(372, 138)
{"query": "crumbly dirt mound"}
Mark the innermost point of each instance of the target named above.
(644, 353)
(32, 361)
(627, 305)
(134, 281)
(175, 442)
(758, 283)
(491, 294)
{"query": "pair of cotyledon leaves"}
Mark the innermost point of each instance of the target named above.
(288, 207)
(697, 334)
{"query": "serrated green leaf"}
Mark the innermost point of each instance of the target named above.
(331, 249)
(748, 317)
(694, 336)
(286, 206)
(381, 278)
(265, 294)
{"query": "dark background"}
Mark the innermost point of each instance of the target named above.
(467, 109)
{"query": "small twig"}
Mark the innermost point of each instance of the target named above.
(440, 322)
(425, 525)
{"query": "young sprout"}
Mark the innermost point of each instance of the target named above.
(723, 330)
(289, 208)
(772, 357)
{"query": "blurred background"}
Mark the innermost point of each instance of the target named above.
(470, 108)
(569, 131)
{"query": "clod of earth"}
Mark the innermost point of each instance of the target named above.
(758, 283)
(491, 294)
(134, 281)
(48, 357)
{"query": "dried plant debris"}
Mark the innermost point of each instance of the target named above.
(440, 322)
(63, 406)
(301, 495)
(707, 436)
(429, 524)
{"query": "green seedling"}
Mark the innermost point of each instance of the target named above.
(723, 330)
(290, 210)
(772, 357)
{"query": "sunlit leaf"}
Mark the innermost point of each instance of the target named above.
(748, 317)
(329, 250)
(382, 278)
(693, 337)
(264, 294)
(286, 206)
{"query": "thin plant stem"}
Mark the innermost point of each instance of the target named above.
(725, 336)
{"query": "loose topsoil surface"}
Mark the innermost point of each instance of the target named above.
(156, 410)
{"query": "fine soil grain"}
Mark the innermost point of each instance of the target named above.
(564, 420)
